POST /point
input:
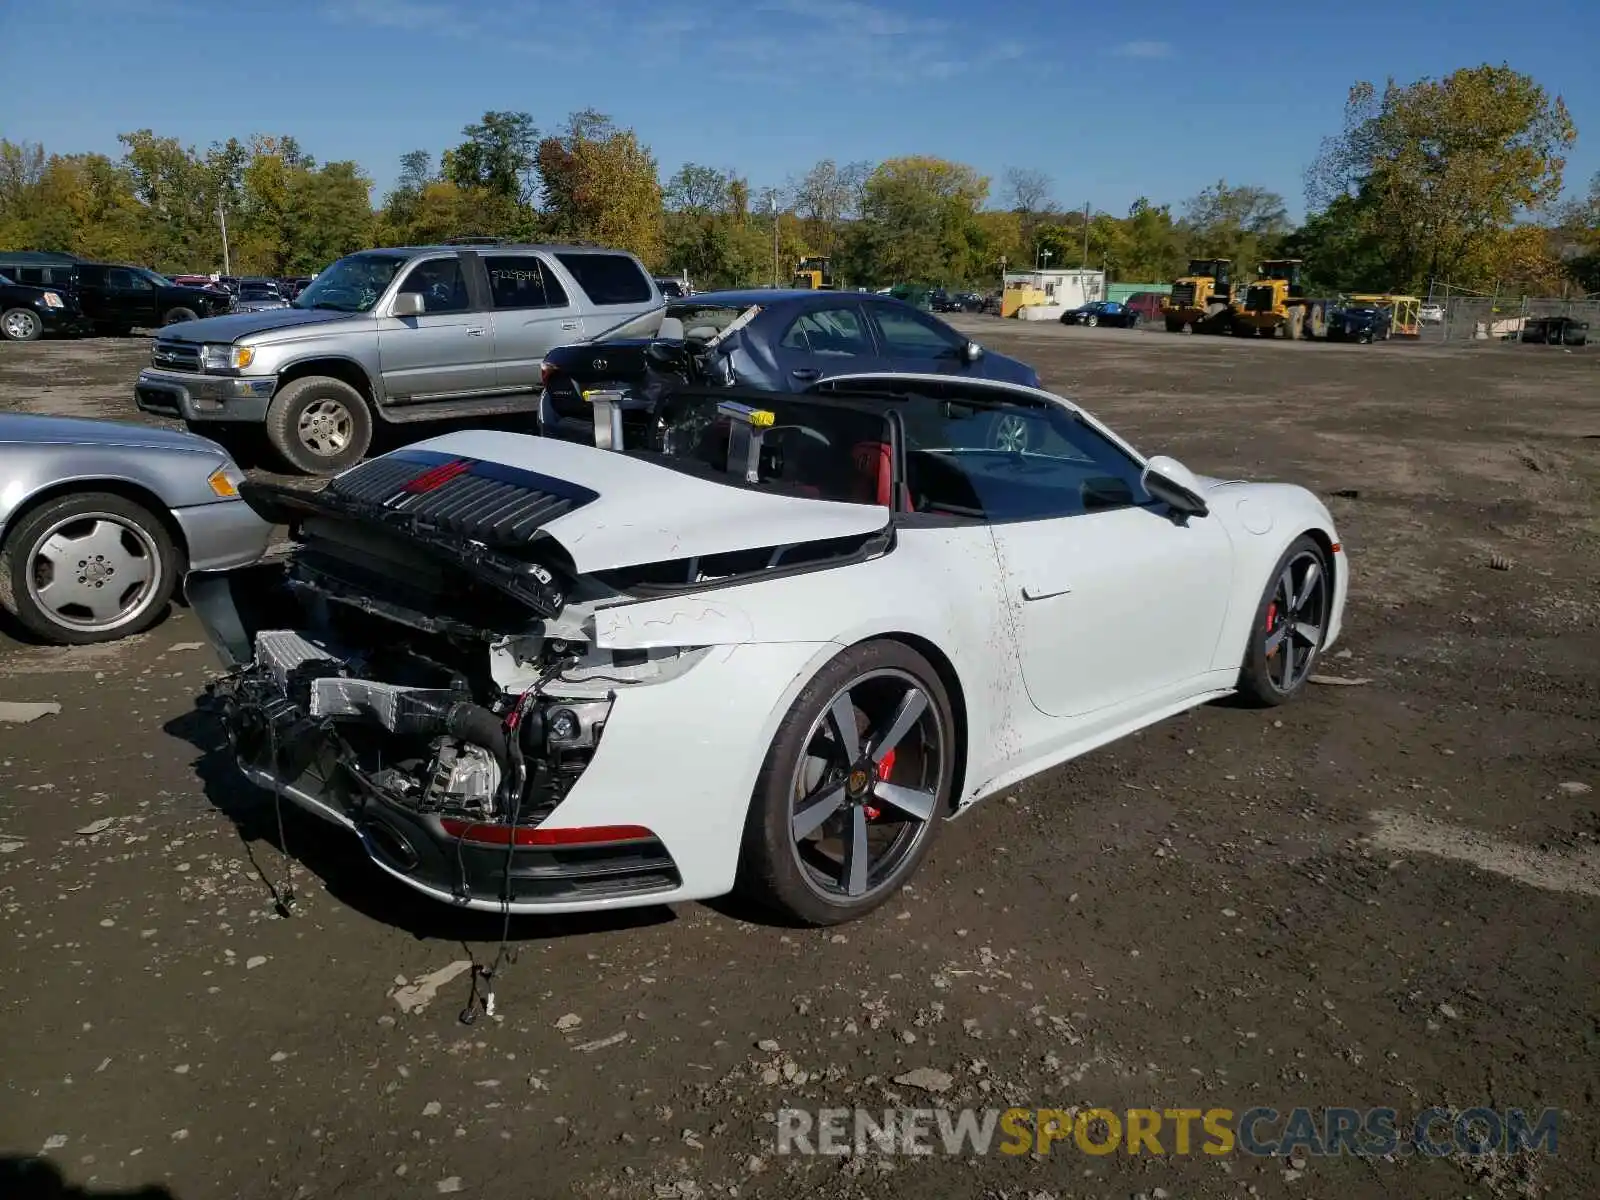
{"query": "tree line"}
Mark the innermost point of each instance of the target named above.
(1455, 179)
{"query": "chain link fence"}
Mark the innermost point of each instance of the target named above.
(1452, 315)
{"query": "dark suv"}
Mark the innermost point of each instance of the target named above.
(27, 313)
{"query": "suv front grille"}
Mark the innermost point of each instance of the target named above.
(176, 356)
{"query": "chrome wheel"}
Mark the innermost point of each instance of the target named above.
(325, 427)
(866, 786)
(1297, 615)
(1010, 433)
(21, 325)
(93, 572)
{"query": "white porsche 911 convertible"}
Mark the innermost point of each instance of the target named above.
(754, 641)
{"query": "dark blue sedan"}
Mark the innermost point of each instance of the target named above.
(768, 339)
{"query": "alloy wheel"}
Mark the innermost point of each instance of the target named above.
(21, 326)
(866, 786)
(1297, 615)
(94, 572)
(325, 427)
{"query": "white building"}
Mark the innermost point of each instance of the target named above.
(1062, 289)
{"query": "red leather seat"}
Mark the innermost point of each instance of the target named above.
(875, 475)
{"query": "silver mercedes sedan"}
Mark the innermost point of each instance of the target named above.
(100, 520)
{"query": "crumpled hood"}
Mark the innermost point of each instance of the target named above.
(30, 429)
(646, 513)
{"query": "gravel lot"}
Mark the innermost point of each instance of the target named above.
(1384, 895)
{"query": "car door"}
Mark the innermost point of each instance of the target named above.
(130, 297)
(913, 341)
(825, 340)
(1112, 597)
(531, 314)
(448, 351)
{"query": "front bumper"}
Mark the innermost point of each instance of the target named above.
(63, 321)
(204, 397)
(223, 535)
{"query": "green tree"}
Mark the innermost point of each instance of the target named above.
(1245, 224)
(825, 198)
(499, 156)
(1448, 165)
(919, 221)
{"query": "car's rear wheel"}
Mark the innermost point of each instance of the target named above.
(88, 568)
(176, 316)
(853, 789)
(20, 325)
(319, 425)
(1291, 623)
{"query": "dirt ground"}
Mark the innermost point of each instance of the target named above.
(1385, 895)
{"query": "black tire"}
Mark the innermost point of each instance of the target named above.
(1174, 325)
(1133, 321)
(1262, 676)
(774, 870)
(26, 569)
(21, 325)
(176, 316)
(296, 415)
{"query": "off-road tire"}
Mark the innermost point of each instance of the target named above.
(290, 404)
(176, 316)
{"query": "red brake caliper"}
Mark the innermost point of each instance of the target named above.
(884, 769)
(1272, 618)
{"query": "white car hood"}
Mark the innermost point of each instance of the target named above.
(647, 513)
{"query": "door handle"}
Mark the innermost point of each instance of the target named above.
(569, 324)
(475, 331)
(1042, 592)
(805, 373)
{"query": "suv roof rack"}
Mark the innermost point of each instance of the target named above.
(478, 240)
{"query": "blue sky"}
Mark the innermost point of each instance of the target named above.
(1111, 100)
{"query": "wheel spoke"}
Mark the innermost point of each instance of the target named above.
(842, 715)
(62, 552)
(912, 705)
(912, 801)
(1286, 680)
(1275, 638)
(1307, 585)
(1310, 634)
(1286, 586)
(103, 602)
(65, 591)
(816, 809)
(857, 858)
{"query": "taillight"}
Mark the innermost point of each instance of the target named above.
(545, 372)
(521, 835)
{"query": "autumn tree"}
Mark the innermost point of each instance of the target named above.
(1245, 223)
(499, 156)
(1446, 166)
(599, 184)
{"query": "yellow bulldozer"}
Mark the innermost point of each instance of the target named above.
(815, 274)
(1200, 297)
(1275, 305)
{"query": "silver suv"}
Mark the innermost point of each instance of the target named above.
(412, 334)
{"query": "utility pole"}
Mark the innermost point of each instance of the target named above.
(772, 195)
(1045, 255)
(222, 216)
(1086, 235)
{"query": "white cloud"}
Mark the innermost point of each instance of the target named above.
(1145, 50)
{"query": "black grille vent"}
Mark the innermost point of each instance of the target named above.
(484, 501)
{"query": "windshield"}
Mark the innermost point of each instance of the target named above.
(701, 321)
(352, 284)
(7, 281)
(158, 280)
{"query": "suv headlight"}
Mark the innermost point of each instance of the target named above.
(53, 300)
(227, 358)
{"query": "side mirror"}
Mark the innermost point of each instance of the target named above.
(408, 304)
(1169, 481)
(971, 353)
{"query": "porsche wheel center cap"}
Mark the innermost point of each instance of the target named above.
(858, 782)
